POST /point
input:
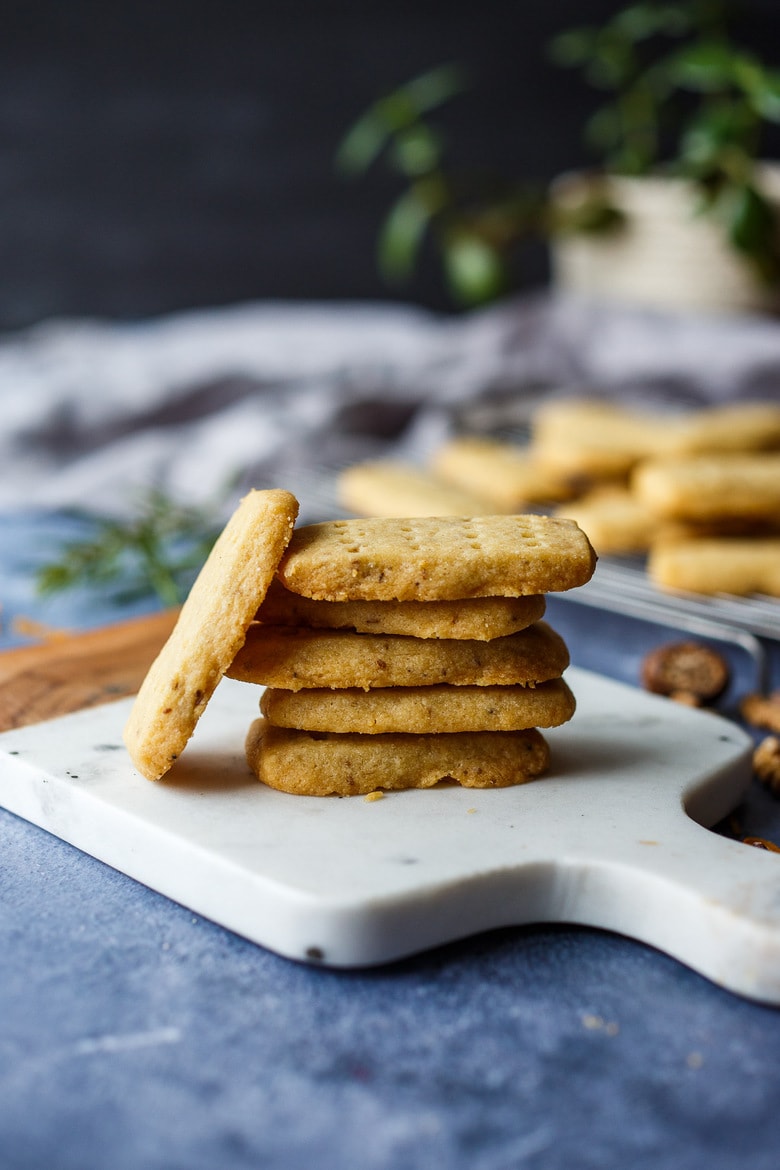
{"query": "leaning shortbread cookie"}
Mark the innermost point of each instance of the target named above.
(353, 765)
(739, 565)
(292, 659)
(442, 558)
(711, 487)
(210, 629)
(397, 489)
(434, 709)
(482, 618)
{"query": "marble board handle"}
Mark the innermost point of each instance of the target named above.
(709, 901)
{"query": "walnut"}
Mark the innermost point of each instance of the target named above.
(762, 710)
(761, 843)
(686, 668)
(766, 763)
(686, 698)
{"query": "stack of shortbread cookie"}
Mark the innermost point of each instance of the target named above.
(394, 653)
(460, 692)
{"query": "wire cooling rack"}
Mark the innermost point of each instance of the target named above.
(621, 585)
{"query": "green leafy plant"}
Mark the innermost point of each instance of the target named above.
(685, 101)
(158, 549)
(474, 225)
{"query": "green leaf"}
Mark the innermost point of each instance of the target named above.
(416, 151)
(574, 47)
(612, 66)
(748, 72)
(631, 159)
(475, 271)
(406, 105)
(638, 22)
(715, 137)
(397, 113)
(362, 144)
(436, 86)
(402, 235)
(657, 83)
(750, 222)
(604, 128)
(764, 94)
(704, 67)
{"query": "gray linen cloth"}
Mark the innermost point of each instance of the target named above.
(277, 393)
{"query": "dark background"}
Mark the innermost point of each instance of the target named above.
(156, 156)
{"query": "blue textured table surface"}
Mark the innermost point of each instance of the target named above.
(134, 1034)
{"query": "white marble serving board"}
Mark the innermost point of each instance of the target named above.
(604, 840)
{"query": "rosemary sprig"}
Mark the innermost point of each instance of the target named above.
(158, 550)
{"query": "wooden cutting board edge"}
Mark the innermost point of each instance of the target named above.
(71, 671)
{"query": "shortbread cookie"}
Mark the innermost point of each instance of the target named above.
(509, 476)
(433, 709)
(211, 627)
(614, 519)
(397, 489)
(739, 426)
(290, 658)
(444, 558)
(711, 487)
(353, 765)
(595, 439)
(738, 565)
(482, 618)
(602, 439)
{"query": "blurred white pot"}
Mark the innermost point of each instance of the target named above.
(666, 254)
